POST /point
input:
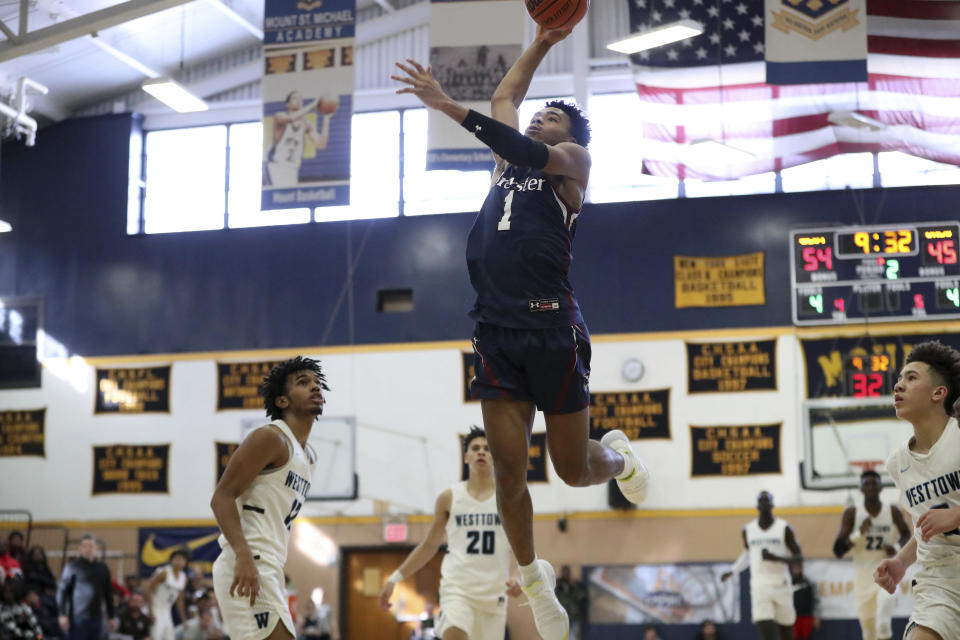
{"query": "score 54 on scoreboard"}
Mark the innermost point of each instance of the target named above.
(893, 272)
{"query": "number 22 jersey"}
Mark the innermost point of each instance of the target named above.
(477, 564)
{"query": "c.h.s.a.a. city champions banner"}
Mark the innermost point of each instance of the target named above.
(307, 102)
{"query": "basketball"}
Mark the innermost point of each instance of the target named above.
(557, 14)
(328, 105)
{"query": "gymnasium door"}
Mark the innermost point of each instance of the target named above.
(363, 573)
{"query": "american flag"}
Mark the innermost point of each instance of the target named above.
(712, 87)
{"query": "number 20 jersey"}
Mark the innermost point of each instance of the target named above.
(519, 252)
(273, 500)
(477, 564)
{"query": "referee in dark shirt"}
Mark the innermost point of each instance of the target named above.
(84, 590)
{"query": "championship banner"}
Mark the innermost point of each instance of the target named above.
(238, 384)
(468, 374)
(22, 432)
(472, 45)
(131, 468)
(157, 544)
(642, 415)
(811, 41)
(133, 390)
(661, 594)
(724, 281)
(731, 366)
(223, 452)
(307, 102)
(863, 367)
(735, 450)
(536, 462)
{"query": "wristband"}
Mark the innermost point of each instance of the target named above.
(395, 577)
(853, 537)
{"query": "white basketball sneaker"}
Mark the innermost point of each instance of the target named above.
(548, 614)
(634, 486)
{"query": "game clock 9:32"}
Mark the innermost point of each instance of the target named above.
(885, 242)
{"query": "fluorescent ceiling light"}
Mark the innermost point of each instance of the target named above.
(855, 120)
(720, 150)
(174, 96)
(672, 32)
(5, 226)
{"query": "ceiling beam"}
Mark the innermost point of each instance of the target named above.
(231, 13)
(84, 25)
(24, 12)
(7, 32)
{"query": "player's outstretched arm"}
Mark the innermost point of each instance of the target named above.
(424, 551)
(843, 543)
(513, 87)
(262, 449)
(936, 521)
(890, 572)
(284, 117)
(742, 561)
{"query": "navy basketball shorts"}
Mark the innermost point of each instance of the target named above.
(549, 367)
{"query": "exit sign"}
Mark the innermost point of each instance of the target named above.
(395, 532)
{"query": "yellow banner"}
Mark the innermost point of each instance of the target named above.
(787, 22)
(725, 281)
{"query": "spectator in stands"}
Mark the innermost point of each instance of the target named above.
(806, 601)
(134, 621)
(45, 610)
(17, 621)
(9, 565)
(15, 546)
(36, 572)
(314, 624)
(651, 632)
(203, 627)
(708, 631)
(84, 591)
(573, 597)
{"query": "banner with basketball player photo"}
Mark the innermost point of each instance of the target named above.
(156, 546)
(307, 93)
(815, 42)
(642, 415)
(536, 462)
(472, 45)
(22, 432)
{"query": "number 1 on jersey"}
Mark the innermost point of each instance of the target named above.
(504, 224)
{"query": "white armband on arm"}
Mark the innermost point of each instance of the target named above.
(741, 563)
(396, 577)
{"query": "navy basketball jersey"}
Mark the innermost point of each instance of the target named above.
(519, 253)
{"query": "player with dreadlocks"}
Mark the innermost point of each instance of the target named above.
(926, 470)
(257, 499)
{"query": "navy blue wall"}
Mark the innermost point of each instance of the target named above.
(108, 293)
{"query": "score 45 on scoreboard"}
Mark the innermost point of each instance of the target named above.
(893, 272)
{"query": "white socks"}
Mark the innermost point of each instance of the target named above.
(530, 573)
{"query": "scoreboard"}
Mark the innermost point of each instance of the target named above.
(844, 275)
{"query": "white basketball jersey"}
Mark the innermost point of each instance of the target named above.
(767, 572)
(273, 500)
(931, 481)
(289, 148)
(868, 551)
(477, 564)
(166, 592)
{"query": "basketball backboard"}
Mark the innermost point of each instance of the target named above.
(842, 437)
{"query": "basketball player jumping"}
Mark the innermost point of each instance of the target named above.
(767, 539)
(532, 348)
(164, 590)
(289, 128)
(257, 499)
(926, 470)
(868, 529)
(474, 574)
